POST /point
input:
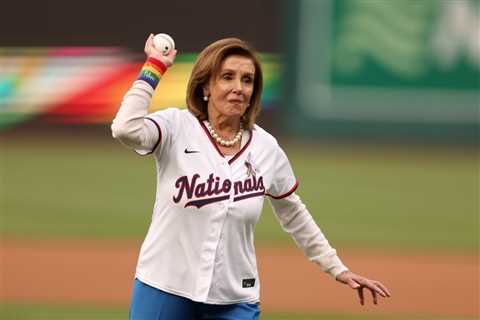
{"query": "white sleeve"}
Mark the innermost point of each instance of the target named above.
(131, 126)
(299, 224)
(284, 182)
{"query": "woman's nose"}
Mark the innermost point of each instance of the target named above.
(237, 87)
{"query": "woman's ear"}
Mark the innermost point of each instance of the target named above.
(206, 90)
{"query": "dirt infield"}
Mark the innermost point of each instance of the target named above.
(100, 273)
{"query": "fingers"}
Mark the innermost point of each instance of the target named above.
(170, 57)
(172, 54)
(150, 39)
(383, 288)
(374, 296)
(375, 287)
(151, 51)
(360, 296)
(148, 45)
(353, 284)
(358, 283)
(379, 288)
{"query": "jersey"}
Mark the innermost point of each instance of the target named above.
(200, 242)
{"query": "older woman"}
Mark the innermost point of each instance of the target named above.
(214, 168)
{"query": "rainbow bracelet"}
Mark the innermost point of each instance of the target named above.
(152, 71)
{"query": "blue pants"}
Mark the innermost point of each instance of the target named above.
(150, 303)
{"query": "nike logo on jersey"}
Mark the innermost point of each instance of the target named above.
(191, 151)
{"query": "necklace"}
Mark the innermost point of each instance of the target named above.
(225, 143)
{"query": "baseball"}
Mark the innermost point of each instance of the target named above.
(164, 43)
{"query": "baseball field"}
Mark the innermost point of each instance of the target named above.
(75, 206)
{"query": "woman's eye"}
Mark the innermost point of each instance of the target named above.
(227, 76)
(248, 79)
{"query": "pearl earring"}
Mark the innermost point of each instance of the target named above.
(205, 98)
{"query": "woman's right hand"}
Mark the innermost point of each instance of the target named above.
(152, 52)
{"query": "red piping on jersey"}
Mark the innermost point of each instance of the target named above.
(235, 157)
(285, 194)
(218, 149)
(159, 135)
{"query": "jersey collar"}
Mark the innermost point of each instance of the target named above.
(237, 155)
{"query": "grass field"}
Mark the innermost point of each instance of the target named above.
(38, 312)
(389, 197)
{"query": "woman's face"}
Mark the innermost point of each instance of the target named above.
(230, 90)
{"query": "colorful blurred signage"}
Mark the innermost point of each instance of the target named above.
(86, 84)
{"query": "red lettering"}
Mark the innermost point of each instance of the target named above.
(227, 185)
(238, 187)
(200, 190)
(247, 185)
(183, 186)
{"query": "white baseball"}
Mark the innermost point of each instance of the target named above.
(164, 43)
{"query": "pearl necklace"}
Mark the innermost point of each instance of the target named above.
(219, 140)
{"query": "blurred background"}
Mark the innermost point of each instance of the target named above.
(376, 103)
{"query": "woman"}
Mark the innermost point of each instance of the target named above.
(214, 168)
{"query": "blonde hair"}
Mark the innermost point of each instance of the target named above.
(208, 64)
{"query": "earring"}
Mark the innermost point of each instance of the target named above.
(205, 98)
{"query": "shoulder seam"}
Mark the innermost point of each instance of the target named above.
(159, 136)
(289, 192)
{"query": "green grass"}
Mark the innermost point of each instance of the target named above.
(388, 197)
(40, 312)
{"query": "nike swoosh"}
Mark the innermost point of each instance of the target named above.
(191, 151)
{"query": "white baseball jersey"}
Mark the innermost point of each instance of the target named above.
(200, 241)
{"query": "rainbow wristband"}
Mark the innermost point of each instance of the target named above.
(152, 71)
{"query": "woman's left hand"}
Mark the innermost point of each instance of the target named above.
(358, 283)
